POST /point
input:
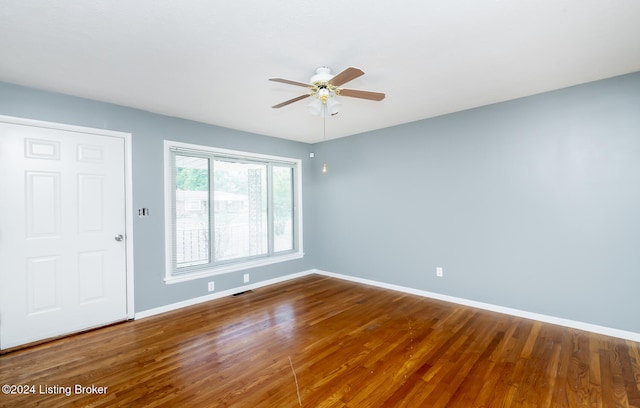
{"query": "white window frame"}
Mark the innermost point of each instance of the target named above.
(212, 270)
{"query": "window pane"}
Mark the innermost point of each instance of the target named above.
(191, 211)
(282, 208)
(240, 209)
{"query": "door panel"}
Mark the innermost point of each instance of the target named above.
(42, 204)
(42, 291)
(62, 205)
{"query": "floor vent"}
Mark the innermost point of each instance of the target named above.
(241, 293)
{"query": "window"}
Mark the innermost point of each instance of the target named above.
(229, 210)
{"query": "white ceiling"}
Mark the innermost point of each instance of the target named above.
(210, 60)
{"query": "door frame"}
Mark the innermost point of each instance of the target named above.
(128, 181)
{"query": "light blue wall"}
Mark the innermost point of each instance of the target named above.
(148, 133)
(532, 204)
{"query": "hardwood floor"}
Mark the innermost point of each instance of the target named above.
(337, 343)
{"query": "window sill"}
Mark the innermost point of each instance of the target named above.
(219, 270)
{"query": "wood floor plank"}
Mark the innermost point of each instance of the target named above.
(335, 344)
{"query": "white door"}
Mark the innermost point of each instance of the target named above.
(62, 226)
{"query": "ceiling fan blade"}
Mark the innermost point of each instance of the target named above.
(290, 82)
(290, 101)
(354, 93)
(345, 76)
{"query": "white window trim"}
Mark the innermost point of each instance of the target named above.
(218, 270)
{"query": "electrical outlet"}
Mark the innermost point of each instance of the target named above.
(246, 277)
(439, 272)
(212, 286)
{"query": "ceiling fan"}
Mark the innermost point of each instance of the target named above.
(324, 86)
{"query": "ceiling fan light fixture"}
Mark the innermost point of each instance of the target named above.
(324, 94)
(324, 104)
(316, 107)
(333, 106)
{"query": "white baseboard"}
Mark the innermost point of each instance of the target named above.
(608, 331)
(218, 295)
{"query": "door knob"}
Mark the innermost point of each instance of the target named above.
(119, 237)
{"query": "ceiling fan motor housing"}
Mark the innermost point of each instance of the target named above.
(323, 75)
